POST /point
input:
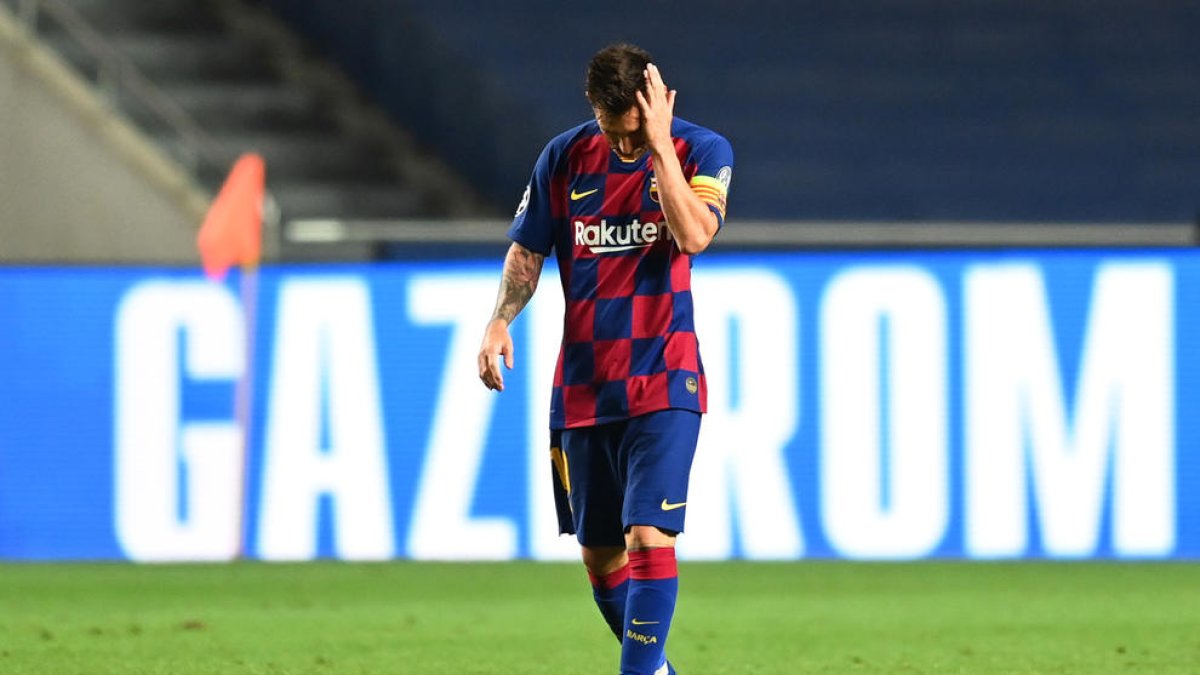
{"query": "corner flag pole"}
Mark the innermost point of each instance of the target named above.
(232, 234)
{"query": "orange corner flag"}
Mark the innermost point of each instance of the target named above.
(232, 230)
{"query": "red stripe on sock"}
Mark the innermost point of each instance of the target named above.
(653, 563)
(611, 580)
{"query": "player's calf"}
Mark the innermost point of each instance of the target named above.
(653, 587)
(610, 589)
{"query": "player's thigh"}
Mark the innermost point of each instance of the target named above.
(657, 453)
(595, 490)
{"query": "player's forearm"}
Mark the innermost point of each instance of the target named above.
(522, 268)
(692, 224)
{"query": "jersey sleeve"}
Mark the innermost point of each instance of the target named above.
(533, 224)
(713, 157)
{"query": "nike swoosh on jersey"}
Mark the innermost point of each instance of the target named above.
(667, 506)
(580, 195)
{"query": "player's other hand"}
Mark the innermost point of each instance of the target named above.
(658, 109)
(496, 342)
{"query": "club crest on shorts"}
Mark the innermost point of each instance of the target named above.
(691, 385)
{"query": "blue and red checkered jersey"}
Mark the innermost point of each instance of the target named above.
(629, 342)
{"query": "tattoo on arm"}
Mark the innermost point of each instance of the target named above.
(522, 268)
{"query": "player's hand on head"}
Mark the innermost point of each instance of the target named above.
(497, 342)
(657, 104)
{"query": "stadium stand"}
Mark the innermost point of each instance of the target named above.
(77, 182)
(910, 110)
(247, 87)
(384, 119)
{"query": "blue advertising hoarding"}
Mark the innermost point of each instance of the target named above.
(978, 405)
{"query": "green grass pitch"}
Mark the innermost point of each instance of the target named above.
(810, 617)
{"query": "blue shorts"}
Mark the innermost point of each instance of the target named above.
(633, 472)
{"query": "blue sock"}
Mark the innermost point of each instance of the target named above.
(610, 592)
(653, 586)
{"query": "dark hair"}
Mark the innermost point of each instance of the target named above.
(614, 76)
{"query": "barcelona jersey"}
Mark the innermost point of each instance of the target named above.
(629, 343)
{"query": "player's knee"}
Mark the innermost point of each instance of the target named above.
(603, 560)
(648, 536)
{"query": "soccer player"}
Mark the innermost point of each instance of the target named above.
(624, 201)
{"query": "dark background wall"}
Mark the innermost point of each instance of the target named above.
(1061, 110)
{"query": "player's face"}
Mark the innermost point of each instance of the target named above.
(624, 132)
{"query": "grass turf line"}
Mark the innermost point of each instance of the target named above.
(811, 617)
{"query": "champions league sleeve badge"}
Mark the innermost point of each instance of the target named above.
(524, 205)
